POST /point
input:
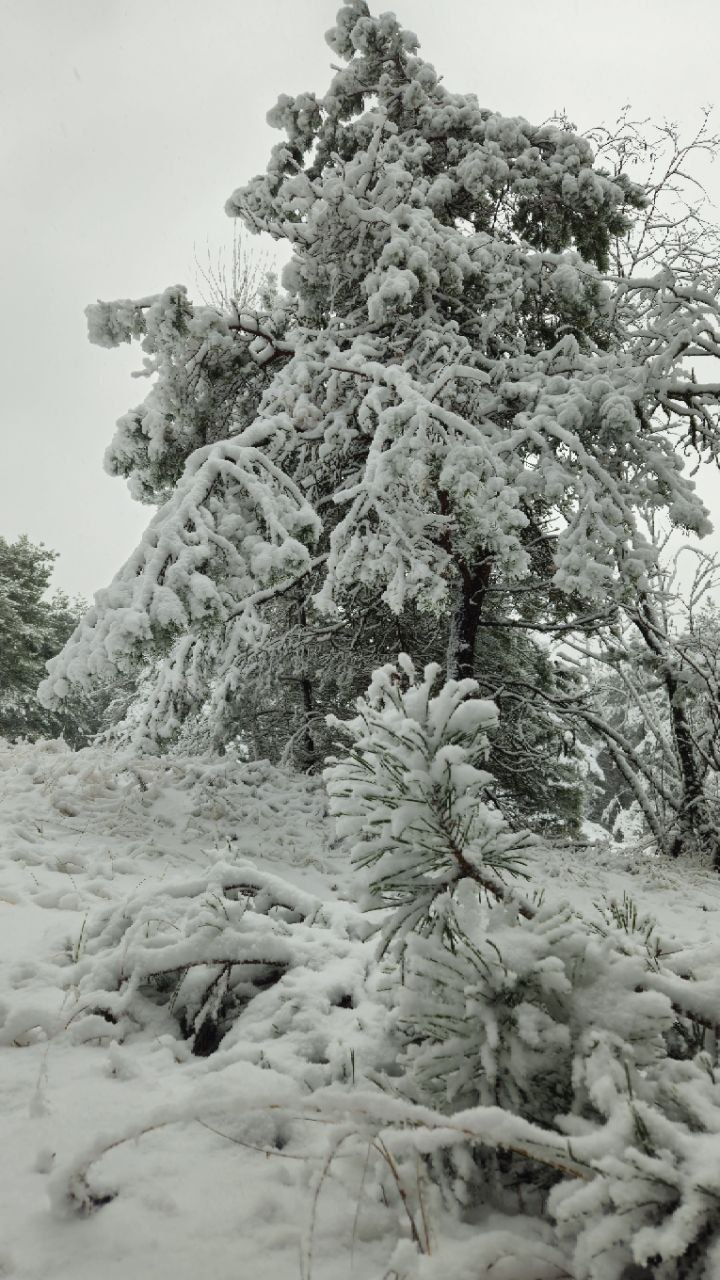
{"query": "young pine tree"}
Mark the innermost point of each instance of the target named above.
(563, 1056)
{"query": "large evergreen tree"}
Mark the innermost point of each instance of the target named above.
(452, 410)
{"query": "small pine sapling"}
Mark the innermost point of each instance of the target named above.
(412, 796)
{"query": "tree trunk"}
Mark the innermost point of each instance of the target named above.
(470, 598)
(306, 690)
(308, 740)
(696, 828)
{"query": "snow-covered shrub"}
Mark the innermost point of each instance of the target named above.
(192, 953)
(655, 1196)
(414, 800)
(514, 1249)
(498, 1017)
(507, 1013)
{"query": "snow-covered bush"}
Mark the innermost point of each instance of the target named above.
(498, 1017)
(414, 800)
(589, 1032)
(192, 953)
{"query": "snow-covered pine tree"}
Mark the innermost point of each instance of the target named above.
(33, 627)
(449, 400)
(414, 792)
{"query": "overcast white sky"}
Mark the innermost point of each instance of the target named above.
(127, 123)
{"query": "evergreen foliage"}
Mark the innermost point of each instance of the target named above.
(414, 801)
(33, 628)
(581, 1028)
(534, 757)
(454, 399)
(201, 955)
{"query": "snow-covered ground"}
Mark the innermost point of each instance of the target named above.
(125, 1154)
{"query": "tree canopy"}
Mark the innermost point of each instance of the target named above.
(463, 409)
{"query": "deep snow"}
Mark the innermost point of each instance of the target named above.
(221, 1167)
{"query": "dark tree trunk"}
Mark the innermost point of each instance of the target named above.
(306, 692)
(308, 740)
(471, 590)
(696, 828)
